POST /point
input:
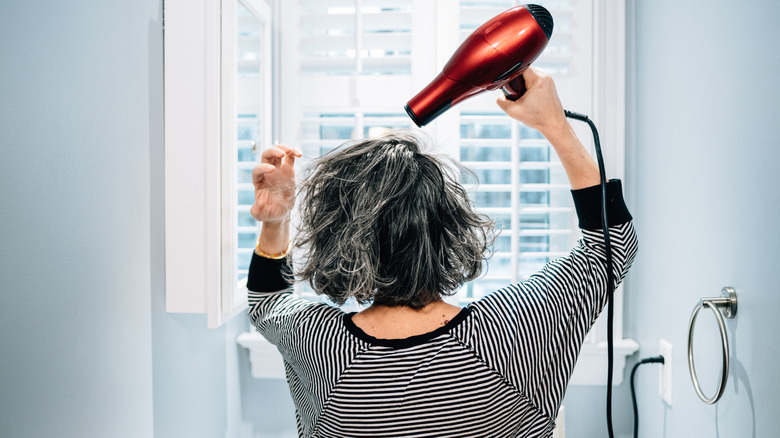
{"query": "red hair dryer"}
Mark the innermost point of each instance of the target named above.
(492, 57)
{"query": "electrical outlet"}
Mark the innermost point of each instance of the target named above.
(665, 372)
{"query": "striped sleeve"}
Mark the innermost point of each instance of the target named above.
(309, 335)
(273, 309)
(532, 332)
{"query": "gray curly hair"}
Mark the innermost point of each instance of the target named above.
(384, 222)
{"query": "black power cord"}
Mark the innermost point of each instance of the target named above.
(610, 273)
(657, 359)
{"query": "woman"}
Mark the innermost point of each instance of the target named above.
(386, 223)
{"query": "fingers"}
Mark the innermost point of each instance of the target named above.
(280, 154)
(259, 172)
(513, 108)
(539, 108)
(290, 154)
(503, 102)
(532, 76)
(272, 155)
(288, 149)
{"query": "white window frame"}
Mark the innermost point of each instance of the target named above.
(608, 112)
(200, 148)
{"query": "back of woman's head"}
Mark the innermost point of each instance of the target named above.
(384, 221)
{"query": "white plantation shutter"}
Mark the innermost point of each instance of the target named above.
(355, 37)
(523, 186)
(521, 182)
(343, 70)
(355, 63)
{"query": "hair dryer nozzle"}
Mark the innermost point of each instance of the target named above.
(437, 98)
(493, 56)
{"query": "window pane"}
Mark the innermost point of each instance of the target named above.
(249, 99)
(503, 243)
(328, 126)
(529, 265)
(244, 257)
(245, 219)
(477, 129)
(246, 196)
(247, 239)
(539, 230)
(377, 124)
(247, 150)
(493, 199)
(534, 176)
(245, 174)
(478, 289)
(339, 39)
(532, 153)
(499, 265)
(534, 243)
(503, 221)
(485, 152)
(490, 176)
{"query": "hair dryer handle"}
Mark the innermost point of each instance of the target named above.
(514, 88)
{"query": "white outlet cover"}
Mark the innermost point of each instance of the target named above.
(665, 372)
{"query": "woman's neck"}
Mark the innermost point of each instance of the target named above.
(399, 322)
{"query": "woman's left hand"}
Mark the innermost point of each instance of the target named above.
(274, 181)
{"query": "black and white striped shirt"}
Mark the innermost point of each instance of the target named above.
(498, 369)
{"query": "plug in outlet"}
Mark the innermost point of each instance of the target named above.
(665, 372)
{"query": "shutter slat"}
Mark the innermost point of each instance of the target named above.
(524, 209)
(524, 165)
(389, 21)
(521, 187)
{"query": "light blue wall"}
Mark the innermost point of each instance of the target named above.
(86, 348)
(75, 332)
(703, 182)
(704, 174)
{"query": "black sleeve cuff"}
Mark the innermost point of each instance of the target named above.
(587, 202)
(268, 275)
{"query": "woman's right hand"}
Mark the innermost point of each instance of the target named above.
(274, 181)
(539, 107)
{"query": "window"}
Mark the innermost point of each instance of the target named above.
(354, 63)
(250, 125)
(345, 69)
(217, 117)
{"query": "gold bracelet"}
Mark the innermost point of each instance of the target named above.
(264, 254)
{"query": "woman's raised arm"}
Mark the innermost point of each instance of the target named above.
(541, 109)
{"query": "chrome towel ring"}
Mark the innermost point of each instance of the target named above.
(728, 302)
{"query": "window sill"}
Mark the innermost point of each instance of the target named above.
(591, 369)
(264, 358)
